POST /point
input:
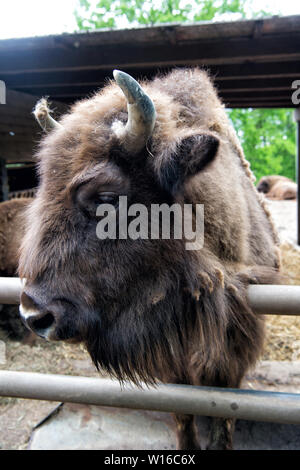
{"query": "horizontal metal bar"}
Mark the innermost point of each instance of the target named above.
(274, 300)
(10, 290)
(264, 299)
(187, 399)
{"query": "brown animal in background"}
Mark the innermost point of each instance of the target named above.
(149, 309)
(11, 233)
(277, 187)
(23, 193)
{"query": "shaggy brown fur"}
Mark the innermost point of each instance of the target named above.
(149, 309)
(11, 233)
(277, 187)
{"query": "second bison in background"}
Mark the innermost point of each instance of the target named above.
(277, 187)
(11, 234)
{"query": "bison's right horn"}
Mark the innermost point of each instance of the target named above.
(42, 115)
(141, 113)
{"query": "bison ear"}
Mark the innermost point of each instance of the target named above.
(194, 153)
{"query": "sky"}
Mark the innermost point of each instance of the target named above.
(25, 18)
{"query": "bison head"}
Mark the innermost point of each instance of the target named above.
(263, 185)
(123, 298)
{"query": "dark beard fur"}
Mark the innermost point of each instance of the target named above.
(141, 345)
(211, 340)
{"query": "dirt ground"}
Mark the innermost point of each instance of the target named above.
(283, 332)
(18, 417)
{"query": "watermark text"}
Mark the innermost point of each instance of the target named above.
(159, 221)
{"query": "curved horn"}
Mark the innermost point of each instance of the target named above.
(141, 113)
(42, 115)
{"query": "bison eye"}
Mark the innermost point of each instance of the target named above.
(88, 201)
(106, 198)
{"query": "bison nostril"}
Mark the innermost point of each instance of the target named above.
(43, 323)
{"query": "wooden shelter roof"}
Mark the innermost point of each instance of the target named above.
(254, 61)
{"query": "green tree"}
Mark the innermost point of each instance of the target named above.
(121, 13)
(268, 137)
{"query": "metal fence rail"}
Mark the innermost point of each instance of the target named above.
(264, 299)
(187, 399)
(10, 289)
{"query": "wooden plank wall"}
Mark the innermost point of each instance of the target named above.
(19, 132)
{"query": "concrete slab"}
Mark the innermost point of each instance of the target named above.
(88, 427)
(91, 427)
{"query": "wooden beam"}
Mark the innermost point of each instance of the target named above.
(4, 188)
(229, 72)
(262, 84)
(255, 70)
(265, 84)
(259, 95)
(167, 33)
(109, 56)
(254, 104)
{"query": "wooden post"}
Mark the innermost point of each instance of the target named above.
(3, 181)
(297, 119)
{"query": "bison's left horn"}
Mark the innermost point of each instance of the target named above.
(42, 115)
(141, 113)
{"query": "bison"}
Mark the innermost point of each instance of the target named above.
(149, 310)
(11, 233)
(277, 187)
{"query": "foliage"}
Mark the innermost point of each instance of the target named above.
(268, 137)
(122, 13)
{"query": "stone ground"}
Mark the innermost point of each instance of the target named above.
(284, 214)
(283, 332)
(82, 427)
(74, 426)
